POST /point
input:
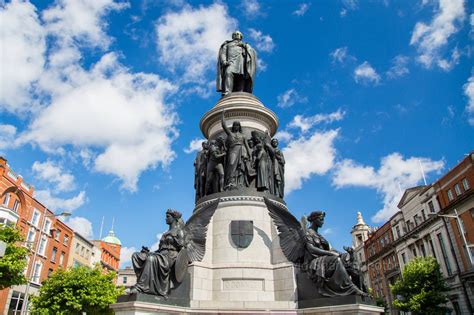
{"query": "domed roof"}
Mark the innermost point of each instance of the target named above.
(112, 239)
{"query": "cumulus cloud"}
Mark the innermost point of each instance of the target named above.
(187, 41)
(262, 42)
(23, 49)
(55, 174)
(60, 204)
(126, 256)
(194, 145)
(340, 55)
(289, 98)
(431, 39)
(82, 226)
(399, 67)
(251, 8)
(156, 244)
(365, 74)
(283, 136)
(302, 9)
(306, 123)
(7, 136)
(394, 172)
(469, 92)
(308, 156)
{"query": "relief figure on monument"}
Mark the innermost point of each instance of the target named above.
(279, 168)
(236, 66)
(303, 244)
(237, 152)
(215, 167)
(263, 164)
(160, 271)
(200, 165)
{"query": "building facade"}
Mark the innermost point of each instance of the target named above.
(360, 233)
(48, 238)
(109, 248)
(82, 252)
(126, 277)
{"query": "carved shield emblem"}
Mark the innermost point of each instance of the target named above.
(241, 233)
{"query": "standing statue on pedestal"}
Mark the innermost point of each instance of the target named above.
(279, 169)
(237, 152)
(326, 267)
(236, 66)
(160, 271)
(200, 170)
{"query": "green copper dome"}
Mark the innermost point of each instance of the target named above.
(111, 238)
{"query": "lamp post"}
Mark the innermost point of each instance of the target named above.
(24, 307)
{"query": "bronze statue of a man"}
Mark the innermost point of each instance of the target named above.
(236, 65)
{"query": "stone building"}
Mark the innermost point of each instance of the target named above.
(360, 233)
(45, 234)
(82, 251)
(126, 277)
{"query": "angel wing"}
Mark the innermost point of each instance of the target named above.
(290, 231)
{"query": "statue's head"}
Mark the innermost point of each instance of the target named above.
(220, 140)
(236, 127)
(205, 145)
(317, 218)
(212, 143)
(237, 35)
(250, 143)
(274, 142)
(172, 216)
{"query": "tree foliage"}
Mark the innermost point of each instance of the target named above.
(77, 290)
(422, 289)
(13, 263)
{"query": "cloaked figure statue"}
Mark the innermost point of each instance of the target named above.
(162, 270)
(236, 66)
(301, 243)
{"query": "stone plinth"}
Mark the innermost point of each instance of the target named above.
(241, 106)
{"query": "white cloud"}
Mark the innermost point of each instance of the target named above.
(306, 123)
(52, 173)
(188, 41)
(126, 256)
(289, 98)
(156, 244)
(194, 145)
(348, 5)
(82, 226)
(430, 39)
(399, 68)
(262, 42)
(57, 204)
(302, 9)
(7, 136)
(469, 92)
(364, 73)
(394, 172)
(251, 8)
(340, 55)
(21, 55)
(307, 156)
(283, 136)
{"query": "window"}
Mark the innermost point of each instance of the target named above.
(37, 272)
(423, 214)
(82, 251)
(432, 248)
(382, 242)
(431, 206)
(30, 238)
(416, 218)
(77, 248)
(413, 250)
(53, 254)
(124, 280)
(445, 255)
(397, 228)
(42, 245)
(465, 184)
(57, 234)
(457, 189)
(16, 205)
(50, 271)
(408, 225)
(61, 258)
(47, 226)
(35, 217)
(422, 249)
(450, 195)
(16, 302)
(6, 201)
(66, 239)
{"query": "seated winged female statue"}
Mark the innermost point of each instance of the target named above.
(301, 243)
(160, 271)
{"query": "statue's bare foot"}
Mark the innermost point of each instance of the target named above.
(132, 290)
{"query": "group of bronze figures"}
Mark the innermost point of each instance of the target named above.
(237, 161)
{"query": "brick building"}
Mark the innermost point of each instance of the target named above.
(45, 234)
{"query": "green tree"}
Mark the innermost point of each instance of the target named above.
(13, 262)
(422, 288)
(77, 290)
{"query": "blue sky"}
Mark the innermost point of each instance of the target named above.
(100, 102)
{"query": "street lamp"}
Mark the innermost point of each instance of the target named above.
(24, 307)
(461, 230)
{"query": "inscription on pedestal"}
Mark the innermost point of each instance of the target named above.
(242, 284)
